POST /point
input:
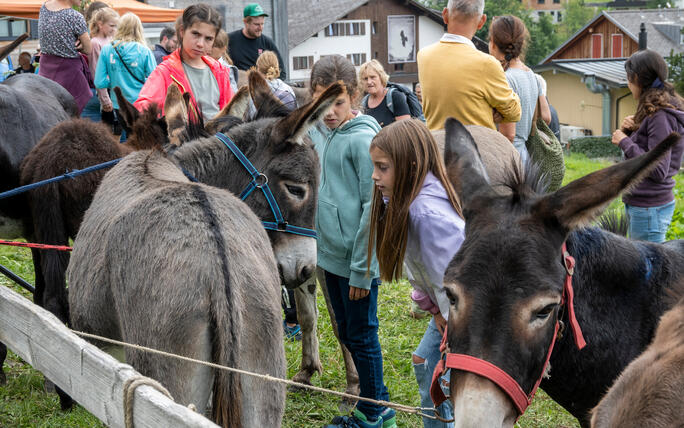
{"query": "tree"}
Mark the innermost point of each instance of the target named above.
(575, 16)
(676, 63)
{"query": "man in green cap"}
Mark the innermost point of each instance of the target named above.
(245, 45)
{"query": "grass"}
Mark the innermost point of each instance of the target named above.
(23, 403)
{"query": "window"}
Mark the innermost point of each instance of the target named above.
(556, 1)
(357, 58)
(540, 13)
(541, 1)
(12, 28)
(398, 67)
(559, 16)
(374, 27)
(375, 55)
(302, 62)
(345, 29)
(616, 40)
(597, 45)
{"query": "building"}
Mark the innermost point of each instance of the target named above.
(554, 8)
(586, 79)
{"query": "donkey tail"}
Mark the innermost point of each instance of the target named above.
(227, 389)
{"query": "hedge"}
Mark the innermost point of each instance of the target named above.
(594, 147)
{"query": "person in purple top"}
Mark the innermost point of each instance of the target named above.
(651, 204)
(416, 223)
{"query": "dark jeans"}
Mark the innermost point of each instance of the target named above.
(357, 323)
(287, 301)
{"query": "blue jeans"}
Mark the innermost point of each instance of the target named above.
(92, 109)
(428, 349)
(357, 325)
(649, 224)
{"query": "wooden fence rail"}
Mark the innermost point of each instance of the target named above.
(92, 378)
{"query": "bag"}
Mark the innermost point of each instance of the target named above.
(126, 65)
(415, 108)
(546, 151)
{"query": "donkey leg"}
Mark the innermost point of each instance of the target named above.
(307, 314)
(350, 368)
(3, 355)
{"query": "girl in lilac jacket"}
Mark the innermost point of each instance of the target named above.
(416, 222)
(659, 113)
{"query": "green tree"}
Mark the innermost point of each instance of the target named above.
(676, 63)
(575, 16)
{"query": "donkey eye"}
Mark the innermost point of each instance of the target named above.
(453, 299)
(545, 312)
(296, 191)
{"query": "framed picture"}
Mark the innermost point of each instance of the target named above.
(401, 38)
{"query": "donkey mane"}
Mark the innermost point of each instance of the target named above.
(524, 181)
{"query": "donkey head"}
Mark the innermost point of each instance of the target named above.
(277, 143)
(506, 281)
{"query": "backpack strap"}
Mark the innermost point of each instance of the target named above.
(364, 102)
(388, 99)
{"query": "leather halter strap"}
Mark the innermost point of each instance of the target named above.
(260, 181)
(503, 380)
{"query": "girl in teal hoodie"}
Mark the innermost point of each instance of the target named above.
(344, 206)
(125, 62)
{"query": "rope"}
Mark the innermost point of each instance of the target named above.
(418, 411)
(129, 388)
(71, 174)
(39, 246)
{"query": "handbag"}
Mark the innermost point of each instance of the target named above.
(546, 151)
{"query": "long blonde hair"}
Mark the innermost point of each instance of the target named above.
(101, 16)
(413, 153)
(267, 64)
(130, 29)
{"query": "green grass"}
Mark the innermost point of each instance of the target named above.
(24, 404)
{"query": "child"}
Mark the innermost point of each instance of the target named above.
(267, 64)
(200, 75)
(416, 220)
(102, 28)
(660, 111)
(219, 51)
(344, 203)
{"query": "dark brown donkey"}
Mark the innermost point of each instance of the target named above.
(505, 285)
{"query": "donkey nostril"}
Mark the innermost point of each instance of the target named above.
(305, 273)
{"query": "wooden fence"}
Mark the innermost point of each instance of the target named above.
(92, 378)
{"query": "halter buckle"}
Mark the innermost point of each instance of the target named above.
(261, 177)
(282, 225)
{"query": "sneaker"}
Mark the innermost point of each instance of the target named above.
(355, 420)
(292, 333)
(389, 418)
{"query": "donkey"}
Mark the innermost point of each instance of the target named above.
(185, 268)
(506, 285)
(497, 155)
(649, 392)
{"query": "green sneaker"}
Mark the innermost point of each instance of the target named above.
(389, 418)
(355, 420)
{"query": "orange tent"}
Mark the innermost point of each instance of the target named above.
(29, 9)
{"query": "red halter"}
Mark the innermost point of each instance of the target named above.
(495, 374)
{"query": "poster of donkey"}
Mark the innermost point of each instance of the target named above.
(401, 38)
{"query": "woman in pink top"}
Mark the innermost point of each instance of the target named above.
(102, 28)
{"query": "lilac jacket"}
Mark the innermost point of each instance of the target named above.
(656, 189)
(435, 234)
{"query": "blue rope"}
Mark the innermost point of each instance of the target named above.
(71, 174)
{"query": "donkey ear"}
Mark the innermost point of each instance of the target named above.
(128, 113)
(175, 113)
(292, 128)
(464, 165)
(6, 50)
(238, 105)
(581, 201)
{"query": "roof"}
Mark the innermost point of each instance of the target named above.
(609, 71)
(29, 9)
(308, 17)
(659, 23)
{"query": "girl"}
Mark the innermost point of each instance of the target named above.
(267, 64)
(659, 112)
(416, 220)
(219, 51)
(507, 41)
(63, 33)
(125, 62)
(200, 75)
(374, 80)
(102, 28)
(344, 203)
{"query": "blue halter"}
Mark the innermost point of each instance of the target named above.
(260, 180)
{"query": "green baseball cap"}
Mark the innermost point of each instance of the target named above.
(254, 9)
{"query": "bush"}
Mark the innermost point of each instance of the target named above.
(594, 147)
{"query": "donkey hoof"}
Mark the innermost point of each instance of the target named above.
(48, 386)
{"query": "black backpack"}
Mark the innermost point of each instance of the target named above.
(415, 108)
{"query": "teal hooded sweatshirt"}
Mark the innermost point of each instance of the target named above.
(345, 199)
(110, 72)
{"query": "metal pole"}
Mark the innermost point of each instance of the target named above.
(643, 37)
(16, 278)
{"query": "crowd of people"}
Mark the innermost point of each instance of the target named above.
(386, 207)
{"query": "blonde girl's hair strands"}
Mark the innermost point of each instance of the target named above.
(130, 29)
(413, 153)
(101, 16)
(267, 64)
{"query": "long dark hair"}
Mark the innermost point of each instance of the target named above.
(648, 70)
(413, 152)
(200, 12)
(509, 35)
(334, 68)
